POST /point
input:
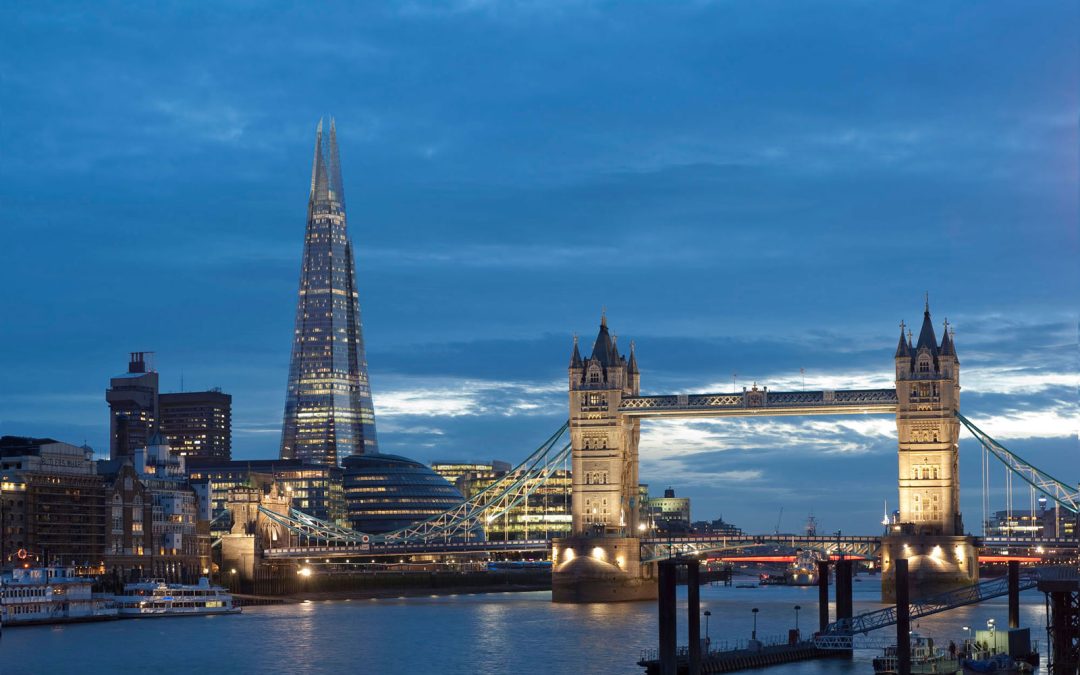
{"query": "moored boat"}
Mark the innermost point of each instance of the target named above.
(52, 594)
(925, 658)
(157, 598)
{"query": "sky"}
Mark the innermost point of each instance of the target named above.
(750, 188)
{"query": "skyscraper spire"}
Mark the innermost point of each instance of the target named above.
(328, 409)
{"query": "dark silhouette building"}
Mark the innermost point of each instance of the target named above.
(132, 397)
(197, 423)
(328, 410)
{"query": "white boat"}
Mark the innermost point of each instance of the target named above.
(157, 598)
(41, 595)
(925, 658)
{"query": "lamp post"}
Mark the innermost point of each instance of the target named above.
(707, 641)
(797, 608)
(753, 635)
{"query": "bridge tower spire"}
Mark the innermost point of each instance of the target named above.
(928, 431)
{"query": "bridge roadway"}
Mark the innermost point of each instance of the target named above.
(653, 547)
(756, 401)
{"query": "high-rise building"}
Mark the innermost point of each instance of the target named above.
(133, 407)
(197, 423)
(328, 410)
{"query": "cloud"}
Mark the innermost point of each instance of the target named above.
(202, 120)
(453, 397)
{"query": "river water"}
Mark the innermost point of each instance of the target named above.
(485, 633)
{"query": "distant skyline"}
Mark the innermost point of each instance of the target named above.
(747, 189)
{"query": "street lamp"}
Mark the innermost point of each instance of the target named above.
(707, 641)
(797, 608)
(753, 635)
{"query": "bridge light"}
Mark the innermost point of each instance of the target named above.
(568, 555)
(936, 553)
(599, 553)
(304, 571)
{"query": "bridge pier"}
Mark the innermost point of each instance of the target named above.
(936, 564)
(600, 569)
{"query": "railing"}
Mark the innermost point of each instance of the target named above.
(839, 634)
(719, 647)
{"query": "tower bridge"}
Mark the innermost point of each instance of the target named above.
(601, 560)
(605, 559)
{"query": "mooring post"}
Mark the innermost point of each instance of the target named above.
(823, 594)
(903, 618)
(668, 573)
(693, 615)
(843, 589)
(1014, 594)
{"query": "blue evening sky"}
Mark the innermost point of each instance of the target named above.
(750, 187)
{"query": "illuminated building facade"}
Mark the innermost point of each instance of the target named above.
(133, 407)
(670, 513)
(328, 409)
(385, 493)
(197, 423)
(315, 489)
(545, 514)
(53, 503)
(452, 471)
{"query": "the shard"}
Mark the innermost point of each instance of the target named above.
(328, 410)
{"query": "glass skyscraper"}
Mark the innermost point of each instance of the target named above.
(328, 411)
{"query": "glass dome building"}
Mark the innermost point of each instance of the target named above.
(385, 493)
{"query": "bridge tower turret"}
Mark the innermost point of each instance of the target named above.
(601, 560)
(930, 526)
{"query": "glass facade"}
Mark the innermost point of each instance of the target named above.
(545, 514)
(385, 493)
(314, 489)
(328, 410)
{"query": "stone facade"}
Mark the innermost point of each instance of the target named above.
(601, 561)
(930, 530)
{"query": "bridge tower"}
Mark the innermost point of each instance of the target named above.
(930, 530)
(601, 560)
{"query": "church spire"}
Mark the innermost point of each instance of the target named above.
(632, 368)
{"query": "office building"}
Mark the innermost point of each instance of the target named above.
(544, 514)
(670, 513)
(328, 409)
(384, 493)
(197, 423)
(315, 489)
(133, 407)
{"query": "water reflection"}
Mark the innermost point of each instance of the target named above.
(463, 634)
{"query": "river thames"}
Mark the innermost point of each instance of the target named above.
(453, 634)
